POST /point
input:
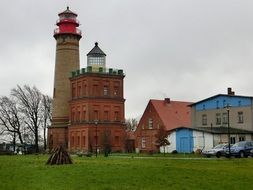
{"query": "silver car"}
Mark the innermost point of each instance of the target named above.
(217, 151)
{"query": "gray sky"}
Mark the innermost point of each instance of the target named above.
(187, 50)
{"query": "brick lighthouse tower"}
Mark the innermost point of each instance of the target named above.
(97, 106)
(67, 37)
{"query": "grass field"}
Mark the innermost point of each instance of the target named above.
(116, 172)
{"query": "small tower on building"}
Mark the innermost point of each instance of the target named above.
(67, 36)
(96, 59)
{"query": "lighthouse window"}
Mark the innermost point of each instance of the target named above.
(106, 91)
(84, 89)
(96, 60)
(78, 116)
(67, 16)
(84, 114)
(73, 117)
(106, 115)
(96, 115)
(116, 116)
(79, 90)
(116, 91)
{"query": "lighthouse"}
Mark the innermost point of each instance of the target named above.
(67, 36)
(88, 104)
(97, 106)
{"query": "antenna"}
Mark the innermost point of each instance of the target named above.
(67, 2)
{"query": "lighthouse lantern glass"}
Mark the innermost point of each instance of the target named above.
(96, 61)
(67, 16)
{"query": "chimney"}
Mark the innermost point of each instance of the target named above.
(230, 92)
(167, 100)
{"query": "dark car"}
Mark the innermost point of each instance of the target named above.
(217, 151)
(251, 153)
(241, 149)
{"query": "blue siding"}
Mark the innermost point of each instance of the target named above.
(184, 140)
(221, 101)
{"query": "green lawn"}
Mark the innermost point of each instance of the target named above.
(116, 172)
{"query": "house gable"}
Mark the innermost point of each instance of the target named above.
(150, 113)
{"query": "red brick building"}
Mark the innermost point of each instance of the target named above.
(158, 114)
(88, 107)
(97, 106)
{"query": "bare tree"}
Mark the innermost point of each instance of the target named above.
(30, 100)
(23, 114)
(46, 116)
(10, 119)
(131, 124)
(162, 138)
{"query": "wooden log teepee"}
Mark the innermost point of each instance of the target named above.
(59, 156)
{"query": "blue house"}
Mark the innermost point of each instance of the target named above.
(217, 119)
(222, 113)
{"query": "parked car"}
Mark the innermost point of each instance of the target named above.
(217, 151)
(251, 153)
(241, 149)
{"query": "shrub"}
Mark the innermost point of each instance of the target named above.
(198, 151)
(6, 153)
(79, 153)
(88, 154)
(174, 152)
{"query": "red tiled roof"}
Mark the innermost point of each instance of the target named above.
(173, 114)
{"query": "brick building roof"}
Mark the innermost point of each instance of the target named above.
(173, 114)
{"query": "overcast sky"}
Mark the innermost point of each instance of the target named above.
(186, 50)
